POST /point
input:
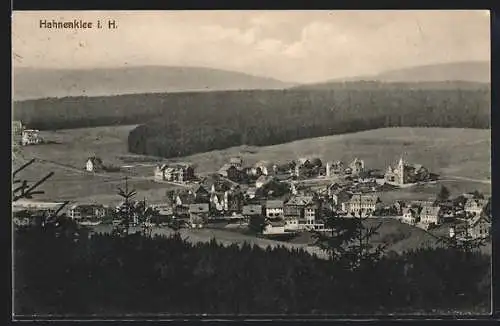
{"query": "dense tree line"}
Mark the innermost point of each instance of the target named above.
(113, 275)
(184, 123)
(61, 268)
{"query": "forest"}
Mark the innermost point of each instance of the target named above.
(178, 124)
(110, 275)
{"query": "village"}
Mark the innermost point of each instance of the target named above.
(288, 198)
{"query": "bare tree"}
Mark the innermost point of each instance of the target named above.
(26, 191)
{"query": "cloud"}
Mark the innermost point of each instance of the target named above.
(290, 45)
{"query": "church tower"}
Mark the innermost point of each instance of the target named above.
(401, 170)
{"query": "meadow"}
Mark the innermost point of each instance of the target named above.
(460, 156)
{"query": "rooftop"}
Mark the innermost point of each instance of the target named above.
(274, 204)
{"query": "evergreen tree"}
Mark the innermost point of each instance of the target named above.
(126, 209)
(349, 240)
(443, 195)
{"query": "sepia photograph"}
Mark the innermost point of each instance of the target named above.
(190, 163)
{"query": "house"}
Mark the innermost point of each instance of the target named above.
(265, 168)
(251, 210)
(233, 201)
(404, 173)
(179, 172)
(361, 204)
(17, 131)
(303, 209)
(410, 215)
(431, 215)
(277, 227)
(334, 168)
(217, 201)
(339, 197)
(357, 166)
(251, 192)
(163, 209)
(292, 224)
(182, 202)
(480, 226)
(305, 161)
(17, 127)
(398, 206)
(198, 214)
(215, 184)
(274, 209)
(301, 171)
(185, 198)
(30, 137)
(200, 193)
(262, 181)
(87, 212)
(475, 207)
(94, 164)
(229, 171)
(237, 162)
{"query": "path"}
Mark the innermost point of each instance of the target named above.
(456, 178)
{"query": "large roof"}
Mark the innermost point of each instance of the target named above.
(365, 199)
(301, 200)
(430, 210)
(199, 208)
(252, 210)
(274, 204)
(476, 203)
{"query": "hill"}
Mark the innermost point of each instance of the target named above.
(31, 83)
(449, 75)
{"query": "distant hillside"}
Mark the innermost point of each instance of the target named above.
(31, 83)
(461, 75)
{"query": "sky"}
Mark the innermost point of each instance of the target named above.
(298, 46)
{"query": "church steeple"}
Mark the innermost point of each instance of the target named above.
(401, 169)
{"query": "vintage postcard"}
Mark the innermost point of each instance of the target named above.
(251, 163)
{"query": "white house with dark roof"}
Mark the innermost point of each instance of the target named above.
(277, 227)
(480, 226)
(236, 161)
(475, 207)
(431, 215)
(274, 209)
(251, 210)
(363, 205)
(93, 164)
(30, 137)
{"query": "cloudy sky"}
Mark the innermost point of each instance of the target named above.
(301, 46)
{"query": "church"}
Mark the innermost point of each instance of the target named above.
(404, 173)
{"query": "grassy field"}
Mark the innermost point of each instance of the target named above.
(462, 153)
(66, 152)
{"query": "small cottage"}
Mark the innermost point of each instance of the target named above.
(475, 207)
(410, 216)
(94, 164)
(274, 228)
(198, 214)
(480, 227)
